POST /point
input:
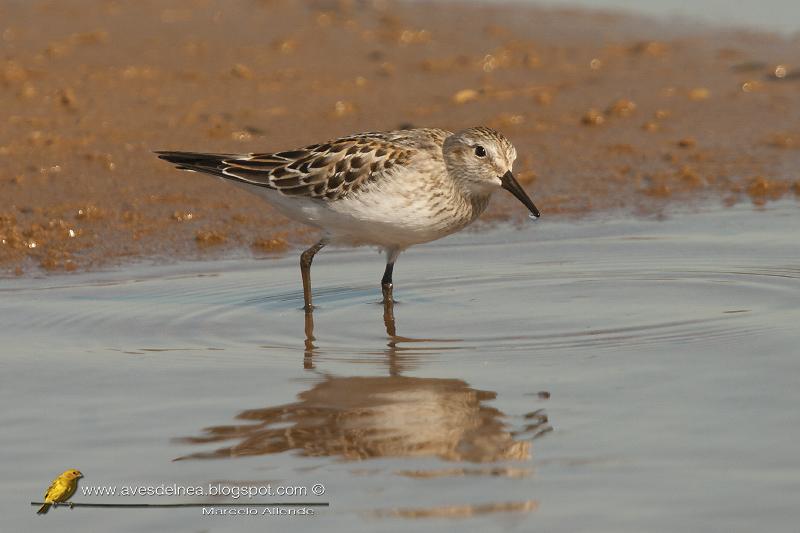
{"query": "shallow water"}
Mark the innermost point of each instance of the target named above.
(772, 15)
(612, 375)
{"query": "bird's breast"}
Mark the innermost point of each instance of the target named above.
(402, 216)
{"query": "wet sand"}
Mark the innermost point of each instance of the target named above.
(607, 111)
(620, 375)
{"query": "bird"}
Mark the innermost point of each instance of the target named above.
(389, 189)
(61, 489)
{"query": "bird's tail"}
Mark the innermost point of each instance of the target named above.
(43, 509)
(208, 163)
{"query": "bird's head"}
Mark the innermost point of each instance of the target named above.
(480, 159)
(72, 474)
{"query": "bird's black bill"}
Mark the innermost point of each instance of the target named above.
(511, 184)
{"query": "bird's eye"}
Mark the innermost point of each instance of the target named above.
(480, 151)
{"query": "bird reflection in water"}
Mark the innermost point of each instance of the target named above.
(364, 417)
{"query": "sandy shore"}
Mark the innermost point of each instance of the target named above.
(607, 111)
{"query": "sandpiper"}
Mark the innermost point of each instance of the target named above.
(388, 189)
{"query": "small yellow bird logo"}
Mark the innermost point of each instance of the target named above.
(61, 489)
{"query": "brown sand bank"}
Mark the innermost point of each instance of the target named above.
(606, 111)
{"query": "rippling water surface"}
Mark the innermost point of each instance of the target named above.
(622, 375)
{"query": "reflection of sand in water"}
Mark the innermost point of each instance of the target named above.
(364, 417)
(461, 511)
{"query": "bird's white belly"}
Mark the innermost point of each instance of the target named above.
(372, 218)
(360, 221)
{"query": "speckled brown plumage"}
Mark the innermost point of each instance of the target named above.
(328, 171)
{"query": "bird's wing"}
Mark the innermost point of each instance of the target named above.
(328, 171)
(61, 490)
(51, 490)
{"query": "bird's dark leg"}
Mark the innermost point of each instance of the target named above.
(386, 281)
(305, 270)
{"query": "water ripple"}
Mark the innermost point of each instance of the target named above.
(598, 305)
